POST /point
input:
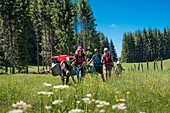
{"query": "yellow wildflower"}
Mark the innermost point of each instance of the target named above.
(128, 93)
(117, 92)
(116, 97)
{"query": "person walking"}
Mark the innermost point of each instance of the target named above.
(80, 61)
(107, 60)
(118, 69)
(96, 58)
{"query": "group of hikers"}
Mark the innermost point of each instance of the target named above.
(103, 64)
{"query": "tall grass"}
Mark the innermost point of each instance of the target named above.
(147, 91)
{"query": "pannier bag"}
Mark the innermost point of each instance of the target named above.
(55, 69)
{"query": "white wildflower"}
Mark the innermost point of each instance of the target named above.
(120, 106)
(42, 93)
(47, 84)
(16, 111)
(48, 107)
(76, 111)
(88, 95)
(14, 105)
(77, 102)
(87, 100)
(57, 102)
(61, 86)
(102, 111)
(122, 100)
(99, 105)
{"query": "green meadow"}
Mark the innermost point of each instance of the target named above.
(146, 91)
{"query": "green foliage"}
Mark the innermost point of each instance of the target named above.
(148, 45)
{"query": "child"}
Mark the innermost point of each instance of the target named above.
(118, 69)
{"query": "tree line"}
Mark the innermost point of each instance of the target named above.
(31, 31)
(146, 45)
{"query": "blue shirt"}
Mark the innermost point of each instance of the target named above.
(97, 60)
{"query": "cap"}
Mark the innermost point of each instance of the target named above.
(95, 49)
(79, 48)
(118, 62)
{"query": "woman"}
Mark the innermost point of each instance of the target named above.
(107, 60)
(80, 61)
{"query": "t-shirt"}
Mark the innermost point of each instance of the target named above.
(97, 59)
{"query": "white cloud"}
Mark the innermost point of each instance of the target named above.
(113, 26)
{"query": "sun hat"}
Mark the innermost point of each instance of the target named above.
(118, 62)
(79, 48)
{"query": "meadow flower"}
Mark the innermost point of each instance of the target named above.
(88, 95)
(76, 111)
(128, 93)
(116, 97)
(120, 106)
(117, 92)
(102, 111)
(99, 105)
(47, 84)
(14, 105)
(61, 86)
(57, 102)
(87, 100)
(48, 107)
(122, 100)
(42, 93)
(78, 102)
(45, 93)
(16, 111)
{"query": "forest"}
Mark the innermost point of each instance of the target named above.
(31, 31)
(146, 45)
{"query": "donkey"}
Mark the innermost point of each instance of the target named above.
(66, 69)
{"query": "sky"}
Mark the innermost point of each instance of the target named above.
(115, 17)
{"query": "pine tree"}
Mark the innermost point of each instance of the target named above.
(113, 51)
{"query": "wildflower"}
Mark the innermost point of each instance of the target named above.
(169, 93)
(102, 111)
(16, 111)
(47, 84)
(87, 100)
(88, 95)
(14, 105)
(42, 93)
(57, 102)
(122, 100)
(116, 97)
(117, 100)
(117, 92)
(61, 86)
(99, 105)
(45, 93)
(128, 93)
(78, 102)
(48, 107)
(119, 106)
(76, 111)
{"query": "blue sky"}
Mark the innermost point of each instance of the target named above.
(115, 17)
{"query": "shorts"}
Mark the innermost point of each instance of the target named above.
(98, 69)
(108, 68)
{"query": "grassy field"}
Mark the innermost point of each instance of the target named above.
(134, 92)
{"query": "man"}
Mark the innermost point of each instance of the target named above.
(96, 58)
